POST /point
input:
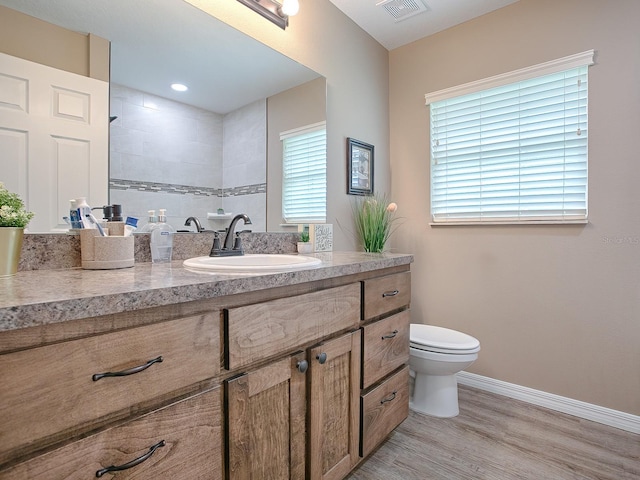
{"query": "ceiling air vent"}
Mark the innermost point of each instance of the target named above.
(403, 9)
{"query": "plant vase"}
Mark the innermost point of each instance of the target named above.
(10, 247)
(305, 247)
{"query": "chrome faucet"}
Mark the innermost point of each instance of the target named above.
(230, 246)
(199, 227)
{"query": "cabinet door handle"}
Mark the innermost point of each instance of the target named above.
(132, 463)
(321, 358)
(392, 293)
(130, 371)
(391, 335)
(302, 366)
(389, 398)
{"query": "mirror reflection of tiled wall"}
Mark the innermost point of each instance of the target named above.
(165, 154)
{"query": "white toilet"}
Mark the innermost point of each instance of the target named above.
(436, 355)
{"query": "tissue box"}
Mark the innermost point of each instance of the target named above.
(321, 237)
(105, 253)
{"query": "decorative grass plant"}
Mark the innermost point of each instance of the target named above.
(374, 217)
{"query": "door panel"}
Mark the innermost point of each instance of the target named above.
(54, 139)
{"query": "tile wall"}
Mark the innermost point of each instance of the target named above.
(165, 154)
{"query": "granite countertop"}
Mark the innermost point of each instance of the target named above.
(39, 297)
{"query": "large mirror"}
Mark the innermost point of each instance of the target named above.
(202, 152)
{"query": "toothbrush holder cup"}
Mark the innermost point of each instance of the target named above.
(105, 253)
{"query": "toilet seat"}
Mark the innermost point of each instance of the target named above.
(442, 340)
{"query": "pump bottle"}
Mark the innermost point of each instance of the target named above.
(161, 240)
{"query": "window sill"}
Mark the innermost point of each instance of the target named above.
(508, 222)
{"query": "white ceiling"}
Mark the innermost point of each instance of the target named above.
(435, 15)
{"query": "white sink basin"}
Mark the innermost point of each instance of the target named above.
(252, 263)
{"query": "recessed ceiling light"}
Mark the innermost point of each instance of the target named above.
(178, 87)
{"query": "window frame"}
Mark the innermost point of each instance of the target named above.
(584, 59)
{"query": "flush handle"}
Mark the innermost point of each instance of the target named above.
(391, 335)
(132, 463)
(392, 293)
(130, 371)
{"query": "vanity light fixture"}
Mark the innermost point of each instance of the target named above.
(278, 13)
(178, 87)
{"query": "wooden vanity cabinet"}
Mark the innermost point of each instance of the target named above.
(384, 401)
(314, 414)
(89, 403)
(262, 385)
(269, 406)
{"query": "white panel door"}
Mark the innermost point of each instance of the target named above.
(54, 139)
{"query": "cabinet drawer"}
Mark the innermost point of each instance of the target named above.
(385, 347)
(191, 431)
(383, 409)
(263, 330)
(49, 392)
(385, 294)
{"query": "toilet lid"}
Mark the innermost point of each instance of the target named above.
(430, 337)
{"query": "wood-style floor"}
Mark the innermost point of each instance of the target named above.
(499, 438)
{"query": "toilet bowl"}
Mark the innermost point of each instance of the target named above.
(436, 355)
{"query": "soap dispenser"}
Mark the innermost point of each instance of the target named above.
(161, 240)
(151, 222)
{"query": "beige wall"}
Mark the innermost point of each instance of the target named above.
(294, 108)
(556, 308)
(41, 42)
(356, 69)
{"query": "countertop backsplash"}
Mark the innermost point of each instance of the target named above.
(43, 251)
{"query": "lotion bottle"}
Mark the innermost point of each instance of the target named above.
(151, 222)
(161, 240)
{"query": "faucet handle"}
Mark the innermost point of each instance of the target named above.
(216, 244)
(237, 243)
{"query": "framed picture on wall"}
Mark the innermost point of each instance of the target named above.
(359, 167)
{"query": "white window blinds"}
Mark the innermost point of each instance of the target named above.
(304, 170)
(513, 153)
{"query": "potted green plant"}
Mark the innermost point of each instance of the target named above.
(374, 218)
(13, 219)
(303, 245)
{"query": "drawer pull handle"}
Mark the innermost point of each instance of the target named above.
(391, 335)
(303, 366)
(389, 398)
(132, 463)
(322, 358)
(392, 293)
(130, 371)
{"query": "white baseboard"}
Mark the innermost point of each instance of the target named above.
(588, 411)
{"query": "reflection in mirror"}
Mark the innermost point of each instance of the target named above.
(197, 152)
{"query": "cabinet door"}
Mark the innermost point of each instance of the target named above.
(334, 375)
(266, 422)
